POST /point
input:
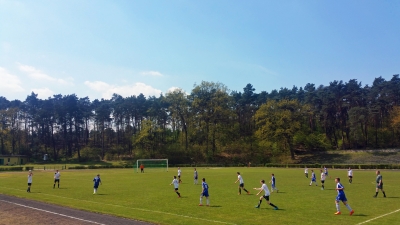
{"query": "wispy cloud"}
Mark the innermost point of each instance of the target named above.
(152, 73)
(107, 90)
(9, 82)
(43, 93)
(39, 75)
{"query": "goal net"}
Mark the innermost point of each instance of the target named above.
(159, 164)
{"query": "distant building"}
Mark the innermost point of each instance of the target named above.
(11, 160)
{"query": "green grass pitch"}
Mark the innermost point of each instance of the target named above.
(149, 197)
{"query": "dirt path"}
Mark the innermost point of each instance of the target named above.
(17, 211)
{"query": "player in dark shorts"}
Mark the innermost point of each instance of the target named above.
(56, 179)
(379, 184)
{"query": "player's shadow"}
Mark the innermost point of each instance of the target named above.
(359, 215)
(101, 194)
(281, 192)
(392, 197)
(216, 206)
(184, 197)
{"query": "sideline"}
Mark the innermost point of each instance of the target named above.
(378, 217)
(58, 214)
(144, 210)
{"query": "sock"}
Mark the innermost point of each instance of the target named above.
(208, 201)
(245, 190)
(323, 187)
(384, 195)
(273, 205)
(54, 185)
(348, 207)
(178, 194)
(338, 207)
(240, 191)
(376, 194)
(259, 203)
(310, 183)
(201, 200)
(58, 185)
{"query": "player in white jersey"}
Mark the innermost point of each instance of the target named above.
(350, 175)
(179, 174)
(313, 178)
(195, 176)
(264, 188)
(241, 184)
(322, 180)
(30, 174)
(306, 172)
(175, 182)
(56, 179)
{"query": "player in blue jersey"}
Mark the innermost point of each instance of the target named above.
(326, 171)
(204, 193)
(313, 178)
(196, 175)
(341, 197)
(379, 184)
(273, 184)
(97, 182)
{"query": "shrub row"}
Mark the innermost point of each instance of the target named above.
(99, 167)
(18, 168)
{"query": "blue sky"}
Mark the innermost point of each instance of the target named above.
(96, 48)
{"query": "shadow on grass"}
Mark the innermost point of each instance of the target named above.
(101, 194)
(184, 197)
(392, 197)
(216, 206)
(359, 215)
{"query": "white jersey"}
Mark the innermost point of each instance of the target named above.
(179, 172)
(30, 178)
(266, 190)
(306, 170)
(57, 175)
(322, 176)
(350, 173)
(240, 179)
(176, 183)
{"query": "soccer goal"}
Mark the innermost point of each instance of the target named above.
(160, 164)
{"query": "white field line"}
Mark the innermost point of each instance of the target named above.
(379, 217)
(144, 210)
(58, 214)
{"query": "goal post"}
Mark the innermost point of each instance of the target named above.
(161, 164)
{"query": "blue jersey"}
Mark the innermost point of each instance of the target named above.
(326, 170)
(341, 196)
(96, 181)
(205, 189)
(273, 180)
(195, 174)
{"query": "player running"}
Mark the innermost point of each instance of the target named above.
(306, 172)
(379, 184)
(264, 188)
(313, 178)
(273, 184)
(204, 193)
(30, 175)
(350, 175)
(175, 182)
(326, 172)
(341, 197)
(322, 180)
(196, 175)
(241, 184)
(96, 183)
(56, 179)
(179, 174)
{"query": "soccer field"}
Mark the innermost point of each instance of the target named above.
(149, 197)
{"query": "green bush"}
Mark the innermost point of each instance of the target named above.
(18, 168)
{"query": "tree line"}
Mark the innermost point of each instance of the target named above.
(209, 124)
